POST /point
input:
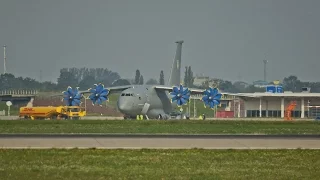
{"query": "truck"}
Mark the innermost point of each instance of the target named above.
(51, 112)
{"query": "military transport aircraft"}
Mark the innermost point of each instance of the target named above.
(151, 101)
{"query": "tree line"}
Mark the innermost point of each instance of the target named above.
(86, 77)
(74, 77)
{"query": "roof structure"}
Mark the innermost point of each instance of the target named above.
(285, 94)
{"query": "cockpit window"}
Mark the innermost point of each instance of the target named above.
(126, 94)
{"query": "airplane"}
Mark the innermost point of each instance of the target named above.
(151, 101)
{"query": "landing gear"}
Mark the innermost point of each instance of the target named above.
(128, 117)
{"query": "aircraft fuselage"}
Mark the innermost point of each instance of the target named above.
(145, 100)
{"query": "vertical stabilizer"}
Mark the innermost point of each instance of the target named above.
(174, 79)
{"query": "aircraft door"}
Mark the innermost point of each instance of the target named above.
(145, 108)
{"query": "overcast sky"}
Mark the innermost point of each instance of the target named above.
(223, 38)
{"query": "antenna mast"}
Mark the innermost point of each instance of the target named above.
(4, 60)
(265, 61)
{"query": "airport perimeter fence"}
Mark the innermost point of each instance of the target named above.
(19, 92)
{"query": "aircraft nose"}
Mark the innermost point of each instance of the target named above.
(123, 105)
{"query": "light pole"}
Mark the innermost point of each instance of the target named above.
(4, 60)
(265, 70)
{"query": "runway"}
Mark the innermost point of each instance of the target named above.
(138, 141)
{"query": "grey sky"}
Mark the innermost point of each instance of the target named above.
(223, 38)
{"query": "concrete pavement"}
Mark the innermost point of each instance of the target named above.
(159, 142)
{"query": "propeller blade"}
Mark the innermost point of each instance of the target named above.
(77, 96)
(174, 98)
(181, 89)
(186, 91)
(65, 93)
(211, 104)
(183, 101)
(104, 92)
(206, 93)
(218, 96)
(175, 90)
(92, 96)
(99, 88)
(214, 92)
(69, 90)
(103, 98)
(205, 98)
(99, 101)
(216, 102)
(76, 102)
(186, 97)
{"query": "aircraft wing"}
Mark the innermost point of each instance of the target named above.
(193, 91)
(114, 89)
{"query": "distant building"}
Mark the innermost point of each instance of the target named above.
(260, 84)
(199, 80)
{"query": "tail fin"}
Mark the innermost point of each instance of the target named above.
(174, 79)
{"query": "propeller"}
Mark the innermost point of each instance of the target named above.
(72, 96)
(99, 94)
(181, 95)
(211, 97)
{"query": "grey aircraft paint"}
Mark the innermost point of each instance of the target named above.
(149, 100)
(174, 79)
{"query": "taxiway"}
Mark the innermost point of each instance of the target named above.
(127, 141)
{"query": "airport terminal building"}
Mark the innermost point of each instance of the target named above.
(275, 103)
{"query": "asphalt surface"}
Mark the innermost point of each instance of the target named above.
(138, 141)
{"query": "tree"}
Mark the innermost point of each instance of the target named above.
(120, 82)
(161, 80)
(185, 80)
(141, 80)
(137, 78)
(188, 77)
(152, 82)
(86, 82)
(292, 83)
(66, 79)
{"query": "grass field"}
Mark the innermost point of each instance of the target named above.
(159, 164)
(158, 126)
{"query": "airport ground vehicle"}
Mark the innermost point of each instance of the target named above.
(51, 112)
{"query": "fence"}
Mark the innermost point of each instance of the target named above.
(19, 92)
(2, 113)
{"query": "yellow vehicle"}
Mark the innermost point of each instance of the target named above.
(50, 112)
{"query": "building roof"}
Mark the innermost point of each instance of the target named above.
(285, 94)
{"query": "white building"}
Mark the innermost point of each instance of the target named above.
(199, 80)
(274, 104)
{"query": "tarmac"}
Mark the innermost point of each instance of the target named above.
(146, 141)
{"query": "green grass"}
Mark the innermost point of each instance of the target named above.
(159, 164)
(13, 110)
(158, 126)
